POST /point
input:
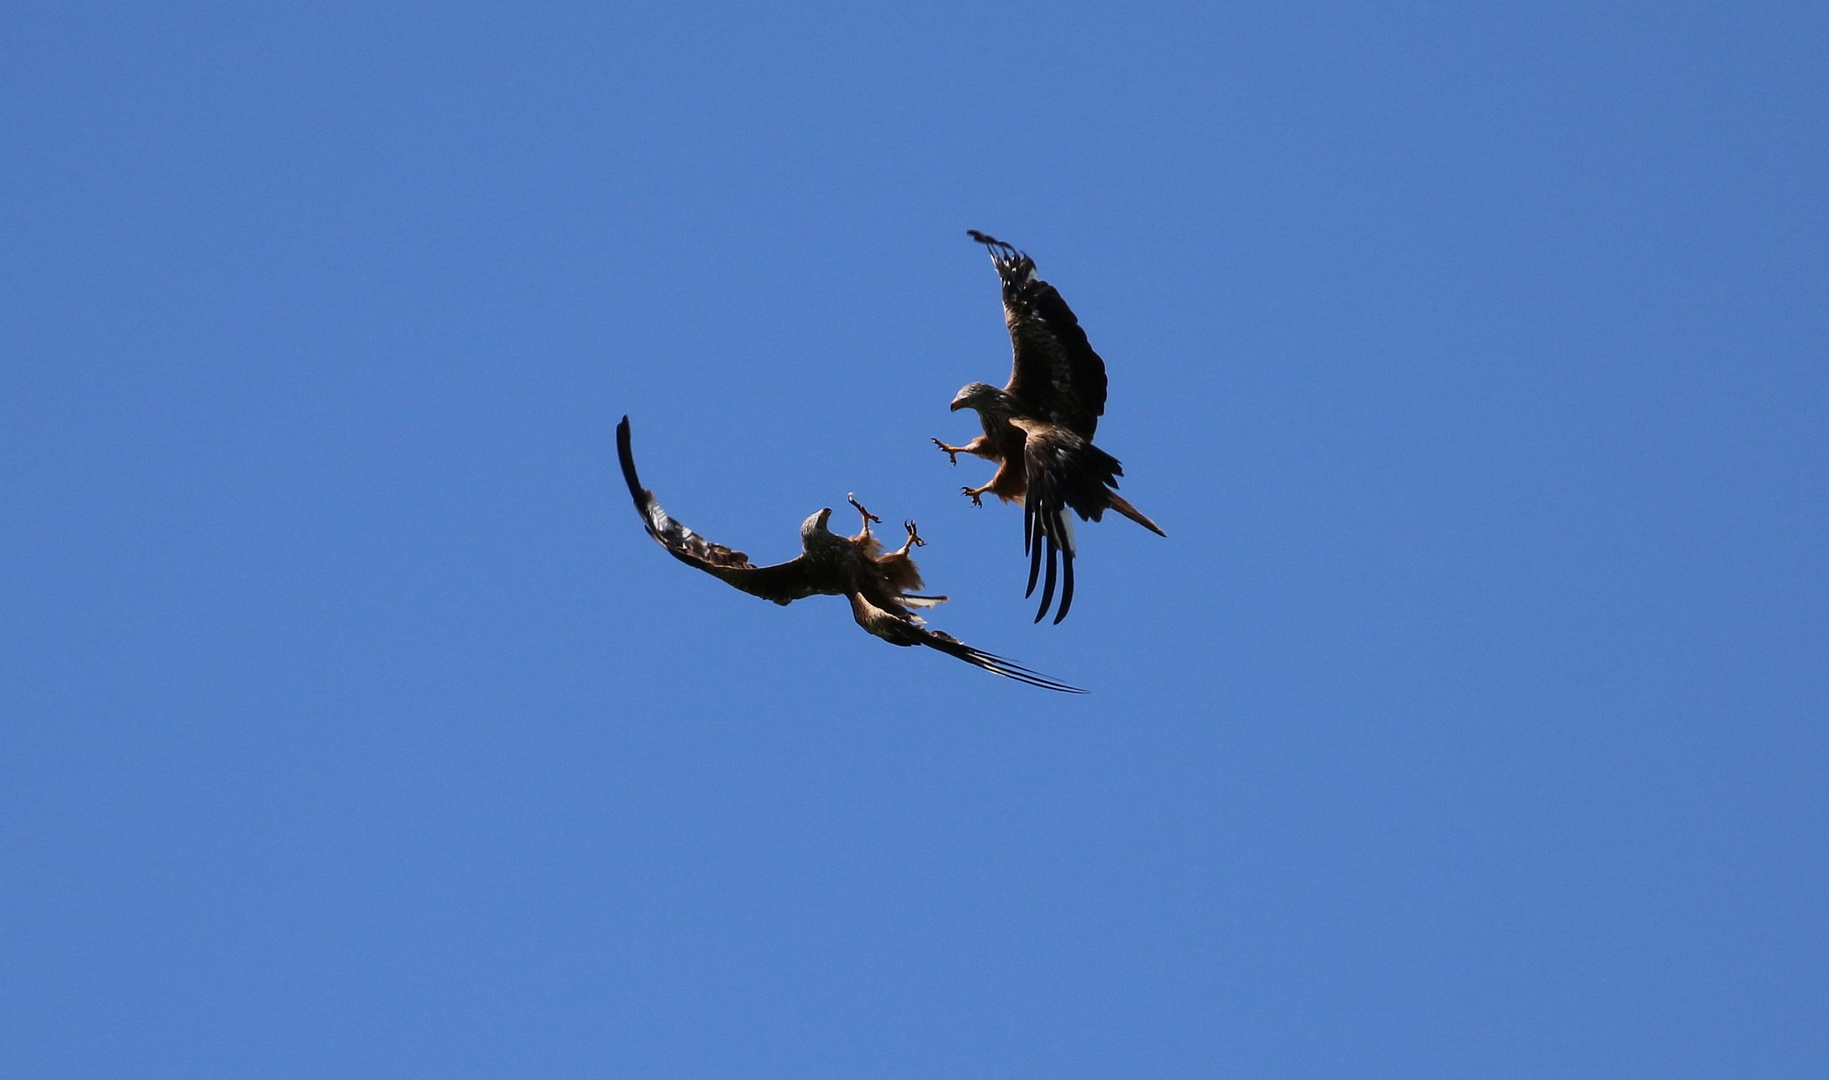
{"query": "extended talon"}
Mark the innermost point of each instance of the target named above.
(859, 507)
(913, 536)
(952, 452)
(977, 497)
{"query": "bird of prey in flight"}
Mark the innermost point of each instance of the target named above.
(1038, 428)
(879, 586)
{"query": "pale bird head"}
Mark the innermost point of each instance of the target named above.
(815, 523)
(974, 395)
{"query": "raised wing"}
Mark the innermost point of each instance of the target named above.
(783, 582)
(1054, 372)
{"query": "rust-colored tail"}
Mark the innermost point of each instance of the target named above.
(1123, 506)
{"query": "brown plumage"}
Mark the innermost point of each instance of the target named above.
(1039, 427)
(879, 586)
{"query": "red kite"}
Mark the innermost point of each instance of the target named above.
(1038, 429)
(880, 587)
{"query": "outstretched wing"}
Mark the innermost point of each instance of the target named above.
(904, 629)
(783, 583)
(1054, 374)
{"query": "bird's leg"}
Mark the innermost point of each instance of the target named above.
(914, 538)
(868, 516)
(976, 446)
(976, 494)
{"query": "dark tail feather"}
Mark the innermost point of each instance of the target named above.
(1122, 506)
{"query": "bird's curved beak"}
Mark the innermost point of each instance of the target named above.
(958, 403)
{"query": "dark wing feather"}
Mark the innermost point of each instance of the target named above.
(1048, 537)
(783, 582)
(1063, 472)
(1055, 374)
(996, 665)
(904, 629)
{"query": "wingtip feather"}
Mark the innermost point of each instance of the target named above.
(998, 665)
(625, 454)
(1048, 582)
(1032, 547)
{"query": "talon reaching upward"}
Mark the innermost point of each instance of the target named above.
(880, 587)
(1038, 428)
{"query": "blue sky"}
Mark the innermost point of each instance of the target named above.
(1469, 722)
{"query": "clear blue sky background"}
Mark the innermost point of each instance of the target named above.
(1469, 723)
